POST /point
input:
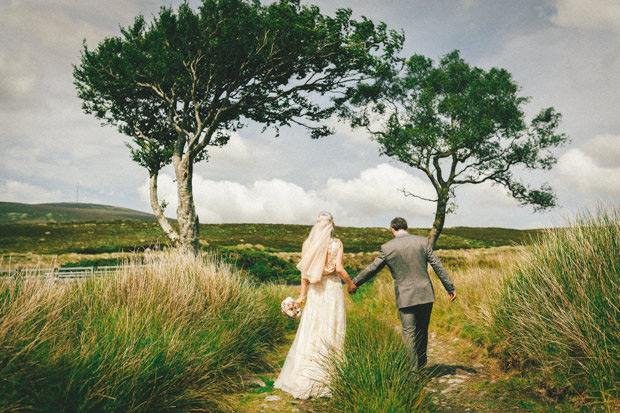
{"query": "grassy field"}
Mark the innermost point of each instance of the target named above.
(374, 374)
(563, 348)
(126, 235)
(264, 252)
(197, 316)
(85, 228)
(174, 335)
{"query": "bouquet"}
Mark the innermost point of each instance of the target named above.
(289, 309)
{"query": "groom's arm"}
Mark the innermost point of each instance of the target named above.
(439, 269)
(371, 270)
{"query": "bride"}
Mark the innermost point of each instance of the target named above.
(323, 321)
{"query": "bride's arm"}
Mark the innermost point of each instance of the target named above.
(340, 269)
(304, 283)
(302, 292)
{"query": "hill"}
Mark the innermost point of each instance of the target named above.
(18, 213)
(96, 237)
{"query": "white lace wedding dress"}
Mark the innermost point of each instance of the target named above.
(322, 325)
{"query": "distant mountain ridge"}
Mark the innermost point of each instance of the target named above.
(18, 213)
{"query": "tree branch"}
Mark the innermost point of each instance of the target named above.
(407, 193)
(495, 175)
(438, 170)
(141, 135)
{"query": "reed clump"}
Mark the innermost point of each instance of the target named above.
(172, 335)
(558, 314)
(374, 373)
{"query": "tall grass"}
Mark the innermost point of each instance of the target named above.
(374, 372)
(173, 335)
(559, 313)
(477, 276)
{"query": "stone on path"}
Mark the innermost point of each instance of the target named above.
(272, 398)
(256, 381)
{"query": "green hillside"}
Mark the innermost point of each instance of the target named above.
(18, 213)
(124, 235)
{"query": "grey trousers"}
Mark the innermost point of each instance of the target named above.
(415, 321)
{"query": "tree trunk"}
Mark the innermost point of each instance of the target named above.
(440, 217)
(186, 212)
(172, 235)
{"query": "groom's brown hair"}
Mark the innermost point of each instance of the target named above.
(398, 223)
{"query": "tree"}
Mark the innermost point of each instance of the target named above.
(178, 84)
(458, 124)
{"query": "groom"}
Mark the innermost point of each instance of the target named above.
(407, 256)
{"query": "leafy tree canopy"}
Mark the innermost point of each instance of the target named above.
(459, 124)
(180, 82)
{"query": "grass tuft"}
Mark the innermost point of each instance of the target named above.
(374, 374)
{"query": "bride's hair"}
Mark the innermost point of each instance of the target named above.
(328, 215)
(314, 252)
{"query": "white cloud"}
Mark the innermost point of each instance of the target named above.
(370, 199)
(354, 137)
(589, 170)
(361, 201)
(377, 191)
(591, 14)
(236, 150)
(605, 149)
(486, 195)
(14, 191)
(273, 200)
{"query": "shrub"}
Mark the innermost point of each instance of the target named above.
(171, 336)
(559, 313)
(261, 266)
(95, 262)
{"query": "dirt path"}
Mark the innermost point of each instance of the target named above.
(463, 379)
(260, 396)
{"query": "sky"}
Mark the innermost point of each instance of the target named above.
(562, 53)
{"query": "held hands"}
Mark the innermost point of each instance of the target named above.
(352, 288)
(452, 296)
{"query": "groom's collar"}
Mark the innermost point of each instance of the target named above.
(401, 233)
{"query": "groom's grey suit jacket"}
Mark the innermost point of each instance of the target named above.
(407, 257)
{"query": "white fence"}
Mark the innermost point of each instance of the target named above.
(60, 274)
